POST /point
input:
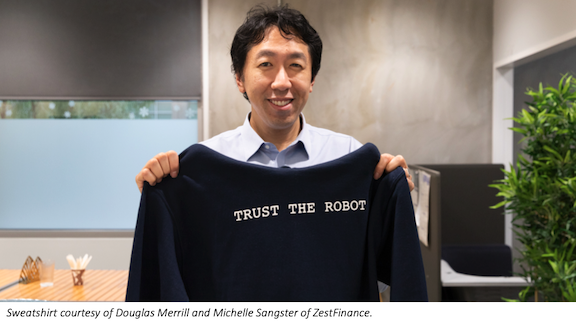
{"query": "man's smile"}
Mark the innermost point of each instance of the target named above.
(280, 102)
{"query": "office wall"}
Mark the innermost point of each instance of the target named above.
(522, 26)
(413, 77)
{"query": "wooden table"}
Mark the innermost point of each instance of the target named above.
(99, 285)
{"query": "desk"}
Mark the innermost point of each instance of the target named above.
(99, 285)
(462, 287)
(451, 278)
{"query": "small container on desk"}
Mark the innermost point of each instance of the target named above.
(77, 277)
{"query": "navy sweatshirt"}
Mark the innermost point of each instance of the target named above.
(226, 230)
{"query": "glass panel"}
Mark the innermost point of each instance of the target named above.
(71, 164)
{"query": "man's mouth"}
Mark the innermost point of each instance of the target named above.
(281, 103)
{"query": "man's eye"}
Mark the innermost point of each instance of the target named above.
(265, 64)
(296, 65)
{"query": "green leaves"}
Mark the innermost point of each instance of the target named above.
(519, 130)
(556, 155)
(541, 191)
(564, 267)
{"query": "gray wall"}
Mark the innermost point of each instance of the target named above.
(411, 76)
(525, 27)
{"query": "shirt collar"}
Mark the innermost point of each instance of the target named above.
(252, 141)
(304, 136)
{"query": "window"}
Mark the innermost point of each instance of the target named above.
(89, 91)
(71, 164)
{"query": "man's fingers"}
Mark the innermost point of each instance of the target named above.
(397, 161)
(381, 166)
(158, 168)
(174, 163)
(409, 178)
(140, 181)
(145, 175)
(148, 176)
(411, 185)
(169, 163)
(389, 163)
(154, 166)
(164, 163)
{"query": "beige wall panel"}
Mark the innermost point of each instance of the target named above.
(413, 77)
(527, 25)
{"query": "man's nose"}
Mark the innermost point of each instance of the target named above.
(281, 82)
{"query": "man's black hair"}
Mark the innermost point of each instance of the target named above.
(290, 22)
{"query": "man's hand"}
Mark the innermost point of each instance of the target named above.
(158, 168)
(389, 163)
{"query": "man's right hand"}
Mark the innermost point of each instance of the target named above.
(158, 168)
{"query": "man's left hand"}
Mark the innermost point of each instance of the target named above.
(389, 163)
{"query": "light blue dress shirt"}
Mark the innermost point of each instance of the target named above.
(312, 146)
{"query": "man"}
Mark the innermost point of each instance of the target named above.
(276, 56)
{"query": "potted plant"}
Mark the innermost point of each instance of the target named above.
(541, 192)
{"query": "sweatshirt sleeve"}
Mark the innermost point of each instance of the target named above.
(399, 260)
(154, 272)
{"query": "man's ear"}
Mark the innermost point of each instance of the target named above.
(240, 83)
(312, 84)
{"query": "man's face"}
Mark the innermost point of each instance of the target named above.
(277, 79)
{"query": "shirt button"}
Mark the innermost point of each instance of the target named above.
(267, 146)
